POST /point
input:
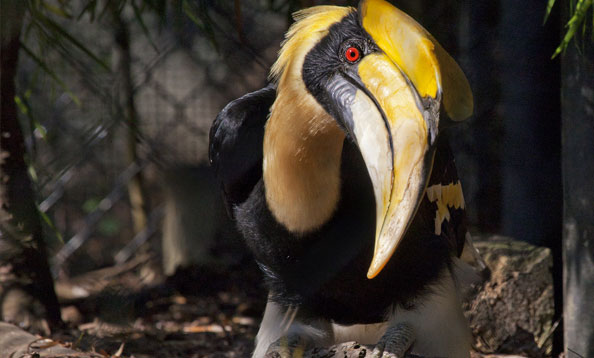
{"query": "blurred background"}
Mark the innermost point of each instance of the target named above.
(115, 100)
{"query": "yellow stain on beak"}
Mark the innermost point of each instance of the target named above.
(429, 67)
(398, 179)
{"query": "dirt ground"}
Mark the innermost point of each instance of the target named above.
(197, 313)
(134, 311)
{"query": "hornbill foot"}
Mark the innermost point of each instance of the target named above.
(395, 342)
(289, 346)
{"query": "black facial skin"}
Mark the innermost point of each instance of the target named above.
(333, 80)
(329, 76)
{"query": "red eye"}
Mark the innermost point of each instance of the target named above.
(352, 54)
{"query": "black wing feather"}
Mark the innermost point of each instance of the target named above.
(236, 138)
(444, 172)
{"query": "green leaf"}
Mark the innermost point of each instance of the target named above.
(22, 107)
(138, 16)
(40, 129)
(90, 9)
(550, 5)
(104, 11)
(25, 108)
(159, 7)
(52, 25)
(109, 226)
(59, 11)
(51, 73)
(90, 205)
(202, 20)
(33, 174)
(51, 224)
(574, 23)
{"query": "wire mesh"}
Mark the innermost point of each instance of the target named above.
(78, 133)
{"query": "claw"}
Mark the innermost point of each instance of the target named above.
(395, 342)
(290, 346)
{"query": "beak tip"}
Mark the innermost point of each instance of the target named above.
(374, 269)
(371, 275)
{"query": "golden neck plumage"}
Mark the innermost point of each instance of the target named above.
(302, 154)
(302, 143)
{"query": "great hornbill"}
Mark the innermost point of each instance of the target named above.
(344, 190)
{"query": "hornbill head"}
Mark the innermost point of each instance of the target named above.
(376, 77)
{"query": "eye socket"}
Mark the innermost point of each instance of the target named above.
(352, 54)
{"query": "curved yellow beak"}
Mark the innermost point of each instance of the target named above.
(432, 71)
(397, 117)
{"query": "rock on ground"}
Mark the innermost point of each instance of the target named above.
(512, 312)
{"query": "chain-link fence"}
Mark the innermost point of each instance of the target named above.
(79, 130)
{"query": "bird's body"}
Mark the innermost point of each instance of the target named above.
(325, 271)
(347, 170)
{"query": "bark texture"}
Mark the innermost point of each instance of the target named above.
(577, 100)
(24, 270)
